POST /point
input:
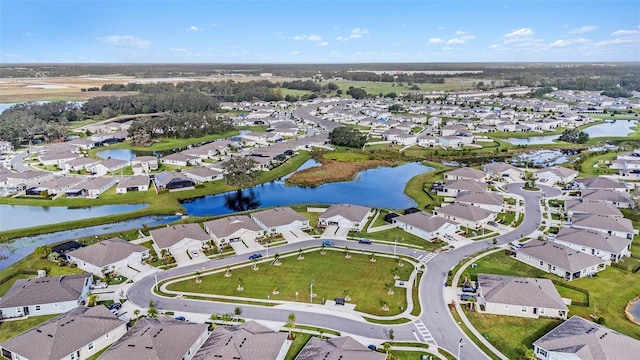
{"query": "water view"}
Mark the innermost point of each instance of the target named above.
(382, 187)
(23, 216)
(612, 128)
(119, 154)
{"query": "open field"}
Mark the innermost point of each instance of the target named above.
(9, 329)
(332, 274)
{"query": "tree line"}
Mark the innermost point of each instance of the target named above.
(178, 125)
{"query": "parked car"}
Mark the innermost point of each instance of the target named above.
(255, 256)
(328, 243)
(115, 306)
(372, 347)
(469, 289)
(364, 241)
(467, 297)
(114, 311)
(493, 223)
(100, 285)
(180, 318)
(194, 253)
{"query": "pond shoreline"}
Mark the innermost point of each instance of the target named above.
(627, 309)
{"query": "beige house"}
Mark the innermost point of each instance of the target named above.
(466, 215)
(425, 225)
(569, 264)
(485, 200)
(279, 220)
(179, 238)
(518, 296)
(107, 256)
(348, 216)
(340, 348)
(233, 228)
(465, 173)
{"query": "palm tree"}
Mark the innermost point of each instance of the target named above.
(255, 264)
(240, 284)
(226, 317)
(213, 318)
(227, 272)
(92, 299)
(320, 331)
(276, 259)
(291, 323)
(322, 251)
(136, 313)
(275, 288)
(387, 349)
(152, 312)
(198, 277)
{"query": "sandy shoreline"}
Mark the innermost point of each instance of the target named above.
(627, 310)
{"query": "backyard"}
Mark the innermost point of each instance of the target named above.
(333, 274)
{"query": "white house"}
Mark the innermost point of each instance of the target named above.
(179, 159)
(180, 237)
(556, 174)
(465, 173)
(503, 170)
(348, 216)
(486, 200)
(279, 220)
(607, 247)
(204, 174)
(107, 256)
(606, 224)
(425, 225)
(569, 264)
(466, 215)
(233, 228)
(45, 295)
(133, 183)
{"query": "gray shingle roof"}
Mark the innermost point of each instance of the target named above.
(589, 341)
(226, 226)
(520, 291)
(156, 339)
(467, 172)
(171, 235)
(466, 184)
(341, 348)
(60, 336)
(476, 197)
(424, 221)
(560, 255)
(348, 211)
(607, 195)
(600, 182)
(464, 211)
(248, 341)
(593, 239)
(45, 290)
(138, 180)
(106, 252)
(591, 206)
(278, 216)
(603, 222)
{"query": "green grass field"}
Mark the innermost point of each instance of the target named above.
(332, 274)
(9, 329)
(402, 238)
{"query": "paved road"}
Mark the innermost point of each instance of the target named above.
(16, 162)
(435, 314)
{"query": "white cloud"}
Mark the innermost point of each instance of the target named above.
(625, 32)
(126, 40)
(294, 53)
(520, 33)
(342, 38)
(194, 28)
(355, 33)
(307, 37)
(568, 42)
(618, 41)
(459, 32)
(299, 37)
(582, 30)
(494, 46)
(436, 41)
(455, 41)
(324, 43)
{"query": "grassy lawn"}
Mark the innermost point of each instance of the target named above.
(510, 334)
(506, 218)
(402, 236)
(299, 342)
(33, 263)
(598, 165)
(407, 355)
(332, 274)
(9, 329)
(609, 291)
(418, 187)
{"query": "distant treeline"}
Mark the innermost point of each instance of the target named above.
(179, 125)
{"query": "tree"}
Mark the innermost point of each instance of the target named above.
(321, 332)
(226, 318)
(387, 349)
(291, 323)
(357, 93)
(530, 354)
(92, 299)
(574, 136)
(152, 312)
(239, 171)
(136, 313)
(344, 136)
(42, 251)
(238, 312)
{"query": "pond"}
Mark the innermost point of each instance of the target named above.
(23, 216)
(381, 188)
(541, 158)
(119, 154)
(16, 249)
(607, 129)
(634, 311)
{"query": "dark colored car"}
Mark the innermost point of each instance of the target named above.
(467, 297)
(115, 306)
(364, 241)
(372, 347)
(255, 256)
(468, 289)
(328, 243)
(180, 318)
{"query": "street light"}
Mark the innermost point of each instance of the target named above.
(395, 245)
(459, 347)
(311, 292)
(156, 276)
(296, 296)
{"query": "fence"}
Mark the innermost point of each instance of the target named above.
(569, 286)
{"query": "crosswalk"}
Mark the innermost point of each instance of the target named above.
(424, 259)
(424, 332)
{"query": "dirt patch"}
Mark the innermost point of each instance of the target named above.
(333, 171)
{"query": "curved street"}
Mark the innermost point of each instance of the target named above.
(435, 314)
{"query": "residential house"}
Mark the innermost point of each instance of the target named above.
(56, 156)
(600, 183)
(144, 164)
(5, 147)
(486, 200)
(60, 185)
(29, 177)
(425, 225)
(179, 238)
(133, 183)
(179, 159)
(340, 348)
(466, 215)
(620, 199)
(607, 247)
(45, 295)
(453, 187)
(279, 220)
(520, 296)
(108, 166)
(581, 339)
(203, 174)
(606, 224)
(92, 187)
(107, 256)
(427, 141)
(581, 206)
(74, 335)
(172, 181)
(503, 170)
(84, 144)
(348, 216)
(233, 228)
(569, 264)
(162, 338)
(249, 340)
(78, 164)
(465, 173)
(556, 174)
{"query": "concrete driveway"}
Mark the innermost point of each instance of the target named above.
(245, 246)
(296, 235)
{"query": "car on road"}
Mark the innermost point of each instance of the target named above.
(492, 223)
(468, 289)
(180, 318)
(327, 243)
(255, 256)
(467, 297)
(194, 253)
(364, 241)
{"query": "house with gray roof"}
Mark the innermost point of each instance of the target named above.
(348, 216)
(581, 339)
(340, 348)
(466, 215)
(78, 164)
(568, 263)
(172, 181)
(180, 159)
(453, 187)
(620, 199)
(29, 177)
(107, 256)
(606, 224)
(233, 228)
(465, 173)
(77, 334)
(163, 338)
(133, 183)
(144, 164)
(203, 174)
(503, 170)
(61, 184)
(485, 200)
(607, 247)
(279, 220)
(108, 166)
(601, 183)
(425, 225)
(247, 341)
(92, 188)
(585, 206)
(519, 296)
(556, 174)
(180, 237)
(45, 295)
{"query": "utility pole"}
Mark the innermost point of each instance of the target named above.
(311, 292)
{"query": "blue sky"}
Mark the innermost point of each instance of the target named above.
(320, 31)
